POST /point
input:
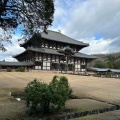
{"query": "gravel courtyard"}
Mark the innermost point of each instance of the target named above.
(107, 89)
(95, 88)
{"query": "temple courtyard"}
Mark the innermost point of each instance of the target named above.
(96, 92)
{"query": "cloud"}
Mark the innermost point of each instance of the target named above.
(97, 46)
(12, 49)
(96, 22)
(88, 19)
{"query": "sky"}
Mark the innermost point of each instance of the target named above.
(96, 22)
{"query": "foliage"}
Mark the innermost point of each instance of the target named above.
(21, 69)
(30, 15)
(111, 61)
(36, 40)
(110, 58)
(42, 98)
(109, 64)
(9, 69)
(100, 64)
(37, 96)
(60, 91)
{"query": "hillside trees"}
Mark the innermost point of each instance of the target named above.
(108, 64)
(100, 64)
(31, 15)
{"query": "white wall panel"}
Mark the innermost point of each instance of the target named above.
(36, 67)
(44, 63)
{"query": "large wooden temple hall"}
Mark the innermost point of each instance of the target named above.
(44, 54)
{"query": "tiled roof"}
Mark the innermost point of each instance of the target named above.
(99, 69)
(53, 51)
(104, 70)
(44, 50)
(4, 63)
(115, 70)
(59, 37)
(78, 54)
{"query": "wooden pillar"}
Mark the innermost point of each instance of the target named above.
(52, 45)
(80, 64)
(86, 62)
(33, 56)
(42, 62)
(50, 62)
(59, 63)
(74, 65)
(0, 67)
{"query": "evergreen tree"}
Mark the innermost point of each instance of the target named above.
(31, 15)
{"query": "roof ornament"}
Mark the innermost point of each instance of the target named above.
(67, 51)
(59, 31)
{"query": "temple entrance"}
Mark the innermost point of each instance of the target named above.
(62, 67)
(70, 67)
(55, 66)
(38, 65)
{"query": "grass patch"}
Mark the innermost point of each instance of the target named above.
(14, 110)
(10, 108)
(81, 105)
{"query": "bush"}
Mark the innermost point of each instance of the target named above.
(21, 69)
(9, 69)
(60, 90)
(36, 95)
(42, 98)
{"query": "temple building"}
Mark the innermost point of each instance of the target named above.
(44, 53)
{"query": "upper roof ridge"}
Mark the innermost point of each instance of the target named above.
(59, 37)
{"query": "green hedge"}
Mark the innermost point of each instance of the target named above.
(21, 69)
(9, 69)
(43, 98)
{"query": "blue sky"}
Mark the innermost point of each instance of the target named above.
(96, 22)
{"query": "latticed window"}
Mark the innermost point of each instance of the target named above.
(48, 57)
(57, 58)
(78, 60)
(43, 44)
(54, 46)
(83, 61)
(53, 58)
(46, 45)
(44, 57)
(58, 47)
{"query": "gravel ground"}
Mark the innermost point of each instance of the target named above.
(106, 89)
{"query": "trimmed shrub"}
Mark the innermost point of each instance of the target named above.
(21, 69)
(60, 90)
(42, 98)
(9, 69)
